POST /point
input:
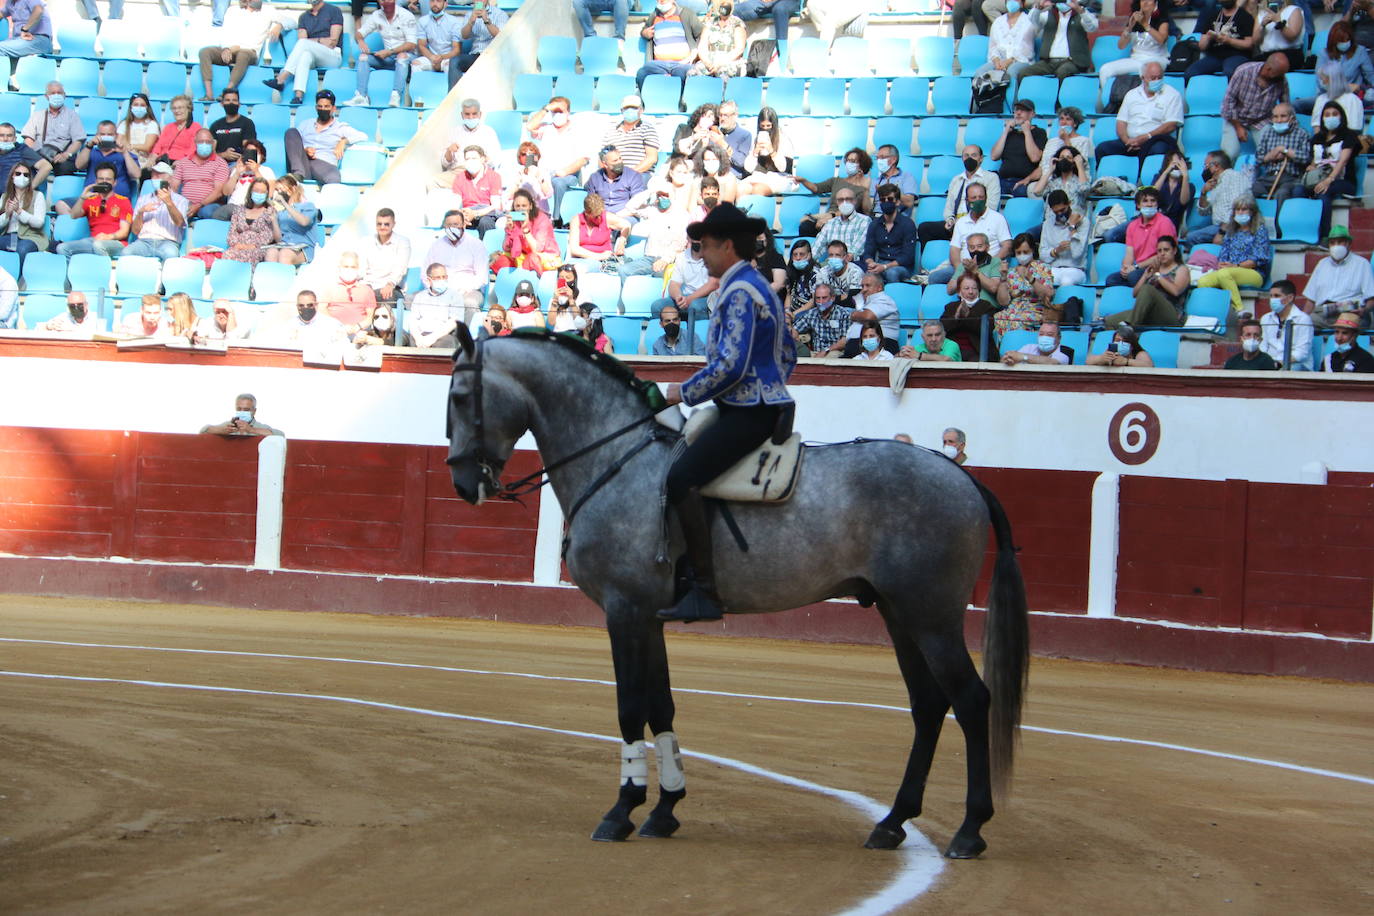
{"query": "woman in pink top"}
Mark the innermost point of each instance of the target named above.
(589, 237)
(178, 139)
(530, 242)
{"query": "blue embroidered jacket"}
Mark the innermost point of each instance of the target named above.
(749, 356)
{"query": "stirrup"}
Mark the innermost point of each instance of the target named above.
(697, 605)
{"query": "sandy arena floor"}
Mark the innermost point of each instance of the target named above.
(117, 797)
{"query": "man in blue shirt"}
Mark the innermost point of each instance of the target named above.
(673, 342)
(890, 249)
(616, 184)
(30, 29)
(739, 140)
(440, 40)
(749, 357)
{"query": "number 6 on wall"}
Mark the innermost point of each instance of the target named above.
(1133, 434)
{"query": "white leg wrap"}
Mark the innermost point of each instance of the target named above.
(669, 755)
(634, 766)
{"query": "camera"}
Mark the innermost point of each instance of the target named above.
(102, 187)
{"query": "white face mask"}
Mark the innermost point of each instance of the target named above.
(846, 207)
(348, 274)
(523, 300)
(1250, 344)
(381, 324)
(969, 302)
(21, 181)
(951, 452)
(1338, 252)
(579, 323)
(473, 167)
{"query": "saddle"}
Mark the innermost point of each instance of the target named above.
(766, 475)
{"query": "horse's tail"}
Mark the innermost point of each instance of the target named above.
(1006, 646)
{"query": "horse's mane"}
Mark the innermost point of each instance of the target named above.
(647, 391)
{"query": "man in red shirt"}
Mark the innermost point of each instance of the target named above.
(350, 302)
(200, 177)
(479, 188)
(107, 214)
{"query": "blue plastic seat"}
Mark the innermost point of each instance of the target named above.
(93, 110)
(935, 56)
(850, 56)
(1042, 91)
(1017, 338)
(1023, 214)
(67, 228)
(983, 133)
(638, 294)
(599, 55)
(625, 332)
(14, 107)
(848, 133)
(79, 76)
(1125, 167)
(1298, 221)
(893, 132)
(32, 74)
(867, 97)
(89, 272)
(123, 78)
(272, 121)
(938, 136)
(183, 275)
(251, 90)
(1105, 51)
(572, 204)
(364, 119)
(337, 203)
(747, 93)
(827, 97)
(136, 276)
(815, 167)
(9, 263)
(1107, 260)
(230, 279)
(786, 95)
(702, 90)
(209, 233)
(1104, 129)
(610, 89)
(1077, 342)
(362, 165)
(166, 80)
(532, 90)
(1085, 293)
(42, 307)
(397, 126)
(119, 38)
(791, 210)
(941, 171)
(661, 93)
(1204, 93)
(380, 85)
(1201, 135)
(890, 56)
(908, 96)
(557, 54)
(934, 298)
(930, 208)
(935, 253)
(1162, 347)
(508, 126)
(908, 299)
(578, 88)
(950, 96)
(808, 57)
(164, 42)
(427, 89)
(45, 272)
(1302, 85)
(973, 52)
(75, 37)
(1079, 92)
(603, 290)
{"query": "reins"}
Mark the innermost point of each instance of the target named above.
(532, 482)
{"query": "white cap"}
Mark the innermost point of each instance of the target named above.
(632, 101)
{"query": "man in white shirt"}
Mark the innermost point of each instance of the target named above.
(397, 28)
(309, 329)
(437, 310)
(560, 147)
(386, 257)
(160, 224)
(690, 288)
(77, 321)
(1149, 118)
(247, 27)
(1341, 282)
(1273, 328)
(461, 252)
(979, 219)
(874, 305)
(471, 131)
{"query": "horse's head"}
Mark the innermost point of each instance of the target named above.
(485, 419)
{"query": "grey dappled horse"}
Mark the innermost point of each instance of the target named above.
(888, 523)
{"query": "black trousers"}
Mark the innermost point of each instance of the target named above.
(739, 431)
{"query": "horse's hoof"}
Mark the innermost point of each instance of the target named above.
(609, 831)
(884, 837)
(660, 826)
(962, 847)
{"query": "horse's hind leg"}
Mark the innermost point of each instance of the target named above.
(642, 697)
(928, 708)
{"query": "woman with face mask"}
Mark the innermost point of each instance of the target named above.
(381, 331)
(770, 160)
(1025, 290)
(253, 225)
(1246, 252)
(700, 130)
(139, 130)
(1066, 171)
(801, 275)
(1160, 292)
(563, 308)
(770, 263)
(597, 237)
(296, 218)
(1147, 35)
(523, 310)
(1357, 68)
(1175, 189)
(1122, 350)
(1334, 147)
(529, 242)
(23, 214)
(853, 174)
(871, 343)
(722, 43)
(1332, 88)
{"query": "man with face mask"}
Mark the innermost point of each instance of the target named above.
(952, 443)
(30, 29)
(1346, 353)
(1064, 27)
(981, 263)
(980, 220)
(1251, 357)
(620, 188)
(477, 189)
(673, 342)
(315, 147)
(160, 224)
(350, 301)
(1019, 148)
(888, 172)
(1282, 150)
(1222, 184)
(233, 130)
(1341, 282)
(106, 148)
(1044, 351)
(1285, 319)
(671, 33)
(1149, 118)
(848, 225)
(200, 177)
(665, 228)
(319, 37)
(560, 149)
(55, 132)
(461, 252)
(824, 320)
(78, 320)
(439, 37)
(436, 311)
(396, 25)
(890, 246)
(308, 329)
(839, 272)
(13, 152)
(633, 137)
(956, 196)
(471, 131)
(1064, 241)
(108, 217)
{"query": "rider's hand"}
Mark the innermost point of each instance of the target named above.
(673, 394)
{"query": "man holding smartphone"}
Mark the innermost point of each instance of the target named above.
(244, 421)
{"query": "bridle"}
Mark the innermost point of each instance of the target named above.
(488, 464)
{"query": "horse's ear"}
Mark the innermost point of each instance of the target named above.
(464, 341)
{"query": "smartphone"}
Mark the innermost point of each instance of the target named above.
(518, 216)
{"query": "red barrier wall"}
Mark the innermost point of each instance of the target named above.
(147, 496)
(1280, 557)
(1051, 521)
(391, 510)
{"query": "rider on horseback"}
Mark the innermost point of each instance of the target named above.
(749, 358)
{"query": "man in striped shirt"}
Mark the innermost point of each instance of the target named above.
(200, 177)
(636, 140)
(672, 33)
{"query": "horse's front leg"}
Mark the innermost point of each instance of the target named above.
(643, 698)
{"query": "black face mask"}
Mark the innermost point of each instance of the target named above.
(670, 328)
(307, 312)
(231, 109)
(1065, 167)
(324, 114)
(709, 202)
(617, 170)
(1207, 174)
(970, 164)
(77, 311)
(760, 247)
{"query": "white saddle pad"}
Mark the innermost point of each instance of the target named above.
(767, 474)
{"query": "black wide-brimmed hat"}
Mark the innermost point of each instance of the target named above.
(726, 221)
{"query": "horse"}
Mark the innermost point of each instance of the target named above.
(886, 522)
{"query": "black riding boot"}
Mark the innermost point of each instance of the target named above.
(700, 602)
